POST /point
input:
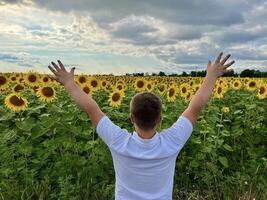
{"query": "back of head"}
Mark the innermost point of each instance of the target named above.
(146, 108)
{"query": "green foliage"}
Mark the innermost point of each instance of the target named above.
(51, 151)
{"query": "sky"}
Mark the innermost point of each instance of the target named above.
(131, 36)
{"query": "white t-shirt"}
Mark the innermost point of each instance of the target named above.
(144, 168)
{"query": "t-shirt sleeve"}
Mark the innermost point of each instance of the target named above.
(179, 132)
(110, 133)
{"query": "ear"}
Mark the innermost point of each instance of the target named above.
(160, 118)
(159, 121)
(131, 118)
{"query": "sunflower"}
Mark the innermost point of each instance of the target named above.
(236, 84)
(184, 88)
(3, 82)
(225, 109)
(32, 79)
(140, 84)
(219, 91)
(94, 83)
(188, 96)
(251, 85)
(18, 87)
(172, 83)
(16, 102)
(46, 93)
(196, 87)
(81, 79)
(13, 78)
(262, 91)
(35, 88)
(104, 84)
(162, 88)
(45, 79)
(115, 98)
(87, 89)
(191, 83)
(171, 94)
(120, 87)
(121, 81)
(149, 86)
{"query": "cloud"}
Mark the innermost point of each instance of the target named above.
(172, 35)
(20, 58)
(221, 13)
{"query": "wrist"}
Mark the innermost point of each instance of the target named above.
(211, 76)
(68, 83)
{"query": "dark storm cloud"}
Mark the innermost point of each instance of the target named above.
(214, 12)
(239, 36)
(138, 31)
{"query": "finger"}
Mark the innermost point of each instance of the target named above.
(225, 59)
(72, 70)
(61, 65)
(54, 71)
(229, 64)
(219, 58)
(56, 67)
(209, 63)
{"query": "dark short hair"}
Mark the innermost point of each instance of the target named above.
(146, 108)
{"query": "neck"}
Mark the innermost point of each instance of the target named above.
(145, 134)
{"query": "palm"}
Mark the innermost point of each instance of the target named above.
(219, 67)
(61, 75)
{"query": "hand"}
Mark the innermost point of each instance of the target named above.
(219, 67)
(61, 75)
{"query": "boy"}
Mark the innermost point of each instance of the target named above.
(144, 161)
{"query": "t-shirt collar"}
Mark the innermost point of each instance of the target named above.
(149, 142)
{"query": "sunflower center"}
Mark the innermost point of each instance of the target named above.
(32, 78)
(219, 90)
(94, 83)
(236, 84)
(16, 101)
(86, 90)
(48, 91)
(140, 84)
(104, 83)
(119, 87)
(149, 86)
(171, 92)
(18, 88)
(13, 78)
(188, 95)
(183, 89)
(45, 79)
(82, 79)
(262, 90)
(35, 88)
(116, 97)
(2, 80)
(252, 84)
(161, 88)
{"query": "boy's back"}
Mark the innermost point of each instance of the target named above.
(144, 168)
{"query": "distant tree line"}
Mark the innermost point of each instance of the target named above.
(244, 73)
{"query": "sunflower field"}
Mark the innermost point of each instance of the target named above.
(50, 150)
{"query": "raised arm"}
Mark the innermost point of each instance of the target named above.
(84, 101)
(202, 96)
